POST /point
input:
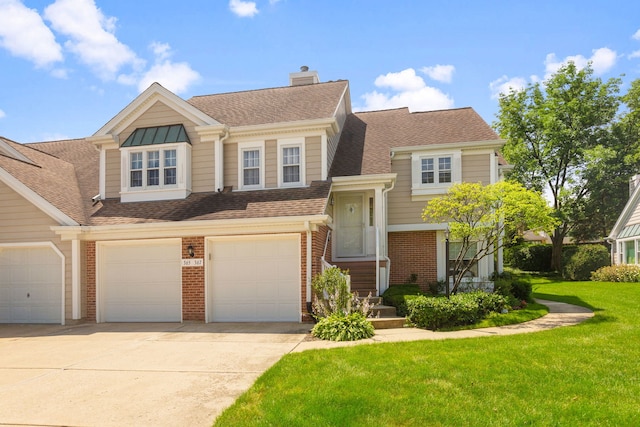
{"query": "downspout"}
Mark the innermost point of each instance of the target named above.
(386, 234)
(307, 226)
(218, 152)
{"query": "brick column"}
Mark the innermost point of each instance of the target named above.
(193, 303)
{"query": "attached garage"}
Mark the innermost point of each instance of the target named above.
(139, 281)
(254, 279)
(31, 284)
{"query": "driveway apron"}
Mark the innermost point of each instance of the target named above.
(133, 374)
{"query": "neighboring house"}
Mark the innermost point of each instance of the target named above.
(625, 236)
(223, 207)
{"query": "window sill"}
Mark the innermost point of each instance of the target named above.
(144, 195)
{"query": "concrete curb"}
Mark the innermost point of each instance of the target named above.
(560, 314)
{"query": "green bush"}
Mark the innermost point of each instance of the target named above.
(461, 309)
(617, 273)
(400, 302)
(585, 260)
(340, 327)
(398, 295)
(530, 257)
(521, 290)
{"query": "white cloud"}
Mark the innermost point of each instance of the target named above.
(175, 76)
(636, 35)
(505, 85)
(634, 54)
(25, 35)
(244, 9)
(412, 92)
(440, 73)
(2, 114)
(91, 36)
(602, 60)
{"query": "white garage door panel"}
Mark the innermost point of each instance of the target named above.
(30, 285)
(255, 279)
(142, 282)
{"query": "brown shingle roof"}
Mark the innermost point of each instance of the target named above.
(276, 105)
(57, 169)
(368, 137)
(211, 206)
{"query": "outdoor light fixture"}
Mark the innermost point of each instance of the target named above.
(446, 256)
(190, 251)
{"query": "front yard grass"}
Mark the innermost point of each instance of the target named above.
(580, 375)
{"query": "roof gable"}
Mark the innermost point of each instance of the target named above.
(145, 101)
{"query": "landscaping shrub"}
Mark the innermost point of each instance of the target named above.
(585, 260)
(398, 295)
(531, 257)
(338, 327)
(341, 315)
(521, 290)
(461, 309)
(617, 273)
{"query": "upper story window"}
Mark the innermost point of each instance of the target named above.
(291, 164)
(155, 164)
(251, 165)
(433, 173)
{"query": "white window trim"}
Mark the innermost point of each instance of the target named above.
(250, 146)
(420, 189)
(286, 143)
(180, 190)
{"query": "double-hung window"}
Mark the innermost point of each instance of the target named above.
(251, 165)
(145, 170)
(291, 167)
(433, 173)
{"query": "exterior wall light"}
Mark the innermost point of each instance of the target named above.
(190, 251)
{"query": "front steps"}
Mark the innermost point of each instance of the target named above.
(384, 316)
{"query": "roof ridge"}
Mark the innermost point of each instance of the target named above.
(268, 88)
(31, 163)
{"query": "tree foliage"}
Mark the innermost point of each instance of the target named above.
(483, 215)
(558, 135)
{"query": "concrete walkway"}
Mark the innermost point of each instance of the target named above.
(560, 314)
(166, 374)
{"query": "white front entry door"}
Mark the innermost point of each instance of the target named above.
(350, 240)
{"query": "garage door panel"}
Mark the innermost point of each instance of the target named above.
(255, 279)
(141, 282)
(30, 285)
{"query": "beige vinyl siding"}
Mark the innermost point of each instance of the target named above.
(21, 221)
(476, 168)
(332, 143)
(401, 209)
(635, 216)
(231, 165)
(271, 163)
(202, 168)
(313, 159)
(112, 175)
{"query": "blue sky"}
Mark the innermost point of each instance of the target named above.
(68, 66)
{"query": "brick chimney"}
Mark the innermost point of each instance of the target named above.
(304, 77)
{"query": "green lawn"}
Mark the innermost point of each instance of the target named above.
(580, 375)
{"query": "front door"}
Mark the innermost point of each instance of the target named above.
(350, 224)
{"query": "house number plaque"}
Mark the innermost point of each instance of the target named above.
(192, 262)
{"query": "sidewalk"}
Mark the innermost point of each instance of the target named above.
(560, 314)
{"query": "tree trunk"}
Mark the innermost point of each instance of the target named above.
(556, 250)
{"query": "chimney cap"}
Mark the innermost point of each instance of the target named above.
(304, 68)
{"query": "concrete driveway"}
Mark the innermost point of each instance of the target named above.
(133, 374)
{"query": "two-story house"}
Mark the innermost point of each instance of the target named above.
(223, 207)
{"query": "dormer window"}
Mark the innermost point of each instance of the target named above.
(156, 164)
(434, 172)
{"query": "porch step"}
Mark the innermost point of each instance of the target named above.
(363, 275)
(380, 311)
(388, 322)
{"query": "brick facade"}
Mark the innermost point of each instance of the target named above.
(193, 283)
(91, 280)
(413, 252)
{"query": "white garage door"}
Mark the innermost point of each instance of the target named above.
(140, 282)
(31, 288)
(255, 279)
